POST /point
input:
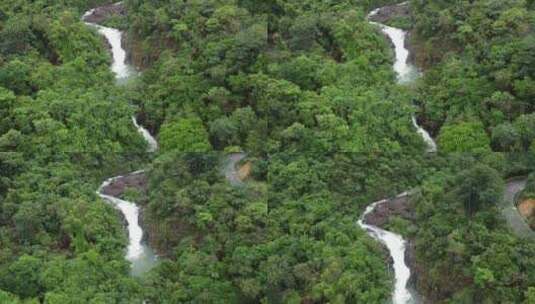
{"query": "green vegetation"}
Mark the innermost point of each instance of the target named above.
(463, 137)
(64, 125)
(400, 226)
(184, 135)
(482, 57)
(476, 96)
(301, 88)
(307, 89)
(461, 237)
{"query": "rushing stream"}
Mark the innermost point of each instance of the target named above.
(143, 258)
(396, 246)
(394, 242)
(405, 71)
(140, 255)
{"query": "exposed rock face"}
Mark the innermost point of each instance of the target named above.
(132, 45)
(399, 206)
(527, 210)
(232, 173)
(401, 10)
(137, 180)
(134, 52)
(387, 12)
(101, 13)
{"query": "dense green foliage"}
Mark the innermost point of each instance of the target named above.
(62, 120)
(476, 95)
(483, 54)
(307, 89)
(301, 85)
(462, 242)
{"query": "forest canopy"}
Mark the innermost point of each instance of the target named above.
(306, 90)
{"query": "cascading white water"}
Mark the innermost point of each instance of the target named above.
(141, 256)
(396, 246)
(431, 145)
(151, 141)
(394, 242)
(405, 71)
(114, 38)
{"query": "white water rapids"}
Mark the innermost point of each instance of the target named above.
(396, 246)
(141, 256)
(151, 141)
(405, 71)
(114, 37)
(394, 242)
(431, 145)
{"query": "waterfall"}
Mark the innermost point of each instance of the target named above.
(394, 242)
(140, 255)
(396, 246)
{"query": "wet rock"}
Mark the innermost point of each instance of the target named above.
(231, 171)
(409, 45)
(145, 239)
(101, 13)
(410, 260)
(135, 56)
(136, 180)
(401, 10)
(388, 12)
(398, 206)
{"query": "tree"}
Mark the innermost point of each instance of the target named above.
(184, 135)
(7, 102)
(224, 132)
(509, 107)
(23, 277)
(16, 35)
(525, 126)
(8, 298)
(530, 295)
(303, 33)
(463, 137)
(484, 277)
(478, 188)
(15, 76)
(303, 71)
(246, 120)
(505, 138)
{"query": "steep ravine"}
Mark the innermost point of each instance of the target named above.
(405, 71)
(376, 215)
(396, 247)
(395, 243)
(138, 253)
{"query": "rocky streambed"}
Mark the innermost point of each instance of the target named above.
(400, 206)
(387, 13)
(100, 14)
(140, 255)
(135, 180)
(378, 214)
